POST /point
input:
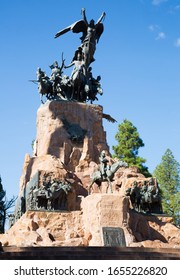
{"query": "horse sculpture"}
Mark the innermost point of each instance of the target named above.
(98, 178)
(78, 86)
(45, 88)
(58, 196)
(44, 85)
(135, 197)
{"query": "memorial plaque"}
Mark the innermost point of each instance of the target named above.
(113, 236)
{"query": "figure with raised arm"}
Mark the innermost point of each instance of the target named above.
(91, 33)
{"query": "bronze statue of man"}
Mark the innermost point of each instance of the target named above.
(103, 164)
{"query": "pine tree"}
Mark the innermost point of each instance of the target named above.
(2, 197)
(128, 146)
(5, 205)
(167, 173)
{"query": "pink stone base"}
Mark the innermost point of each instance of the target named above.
(105, 210)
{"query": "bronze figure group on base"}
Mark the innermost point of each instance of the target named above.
(145, 197)
(81, 86)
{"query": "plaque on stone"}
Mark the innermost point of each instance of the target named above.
(113, 236)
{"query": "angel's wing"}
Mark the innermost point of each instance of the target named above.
(78, 26)
(109, 118)
(61, 32)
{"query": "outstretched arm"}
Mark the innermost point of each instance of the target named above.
(70, 65)
(84, 15)
(101, 17)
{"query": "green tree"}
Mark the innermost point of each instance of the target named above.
(168, 176)
(2, 196)
(5, 205)
(128, 146)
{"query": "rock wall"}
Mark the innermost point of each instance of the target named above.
(46, 229)
(69, 138)
(72, 132)
(84, 227)
(153, 231)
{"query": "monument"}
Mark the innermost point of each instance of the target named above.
(72, 192)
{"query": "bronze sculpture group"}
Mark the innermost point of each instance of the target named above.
(51, 195)
(145, 197)
(81, 86)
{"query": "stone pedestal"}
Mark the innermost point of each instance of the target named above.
(105, 210)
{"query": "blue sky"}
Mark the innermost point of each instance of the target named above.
(138, 58)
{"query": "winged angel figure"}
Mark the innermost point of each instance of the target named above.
(91, 32)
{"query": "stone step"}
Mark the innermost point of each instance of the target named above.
(88, 253)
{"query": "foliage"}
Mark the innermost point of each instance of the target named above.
(167, 173)
(2, 195)
(128, 146)
(5, 205)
